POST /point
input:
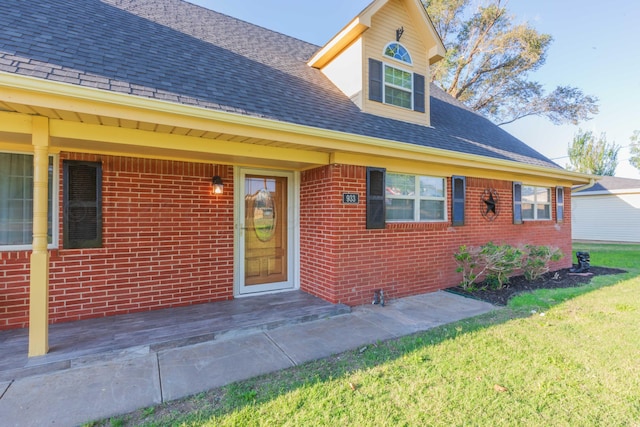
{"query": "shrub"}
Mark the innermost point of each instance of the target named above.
(501, 261)
(468, 260)
(536, 260)
(496, 263)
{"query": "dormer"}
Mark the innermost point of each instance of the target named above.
(381, 59)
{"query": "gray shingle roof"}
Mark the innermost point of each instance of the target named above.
(175, 51)
(612, 183)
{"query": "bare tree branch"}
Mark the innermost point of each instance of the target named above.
(488, 61)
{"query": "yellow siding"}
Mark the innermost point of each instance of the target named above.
(383, 31)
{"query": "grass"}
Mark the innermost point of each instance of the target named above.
(619, 256)
(560, 357)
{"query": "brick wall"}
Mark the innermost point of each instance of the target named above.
(342, 261)
(14, 289)
(167, 241)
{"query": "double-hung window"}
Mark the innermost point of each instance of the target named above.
(398, 87)
(16, 201)
(536, 202)
(415, 198)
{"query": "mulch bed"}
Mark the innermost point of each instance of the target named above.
(552, 280)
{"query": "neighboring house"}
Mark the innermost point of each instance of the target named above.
(343, 170)
(607, 211)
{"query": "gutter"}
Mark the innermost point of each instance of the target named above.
(592, 182)
(98, 102)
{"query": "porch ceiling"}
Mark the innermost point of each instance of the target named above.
(107, 134)
(97, 119)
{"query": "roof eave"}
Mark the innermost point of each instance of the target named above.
(341, 40)
(87, 100)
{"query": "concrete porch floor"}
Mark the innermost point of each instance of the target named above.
(99, 385)
(95, 339)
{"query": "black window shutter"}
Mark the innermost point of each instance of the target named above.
(418, 93)
(375, 197)
(517, 203)
(458, 192)
(559, 204)
(375, 80)
(82, 205)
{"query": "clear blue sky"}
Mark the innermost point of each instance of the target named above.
(596, 48)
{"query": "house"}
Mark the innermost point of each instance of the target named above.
(157, 154)
(607, 211)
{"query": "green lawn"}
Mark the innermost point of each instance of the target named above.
(560, 357)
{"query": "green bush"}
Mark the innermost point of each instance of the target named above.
(496, 263)
(501, 262)
(536, 260)
(468, 260)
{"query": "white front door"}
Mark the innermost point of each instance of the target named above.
(266, 236)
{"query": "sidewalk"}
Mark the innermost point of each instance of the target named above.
(141, 376)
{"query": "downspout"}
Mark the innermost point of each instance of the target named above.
(592, 182)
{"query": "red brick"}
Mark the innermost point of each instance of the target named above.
(345, 262)
(168, 242)
(153, 211)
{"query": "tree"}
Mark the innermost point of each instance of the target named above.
(588, 154)
(488, 61)
(634, 148)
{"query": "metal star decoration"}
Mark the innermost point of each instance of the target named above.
(490, 204)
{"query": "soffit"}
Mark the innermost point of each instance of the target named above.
(96, 119)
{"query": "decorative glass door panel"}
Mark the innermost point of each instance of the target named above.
(265, 254)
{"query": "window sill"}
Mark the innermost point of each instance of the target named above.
(410, 225)
(410, 109)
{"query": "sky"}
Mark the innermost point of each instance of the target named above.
(596, 48)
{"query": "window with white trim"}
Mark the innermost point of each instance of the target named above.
(398, 87)
(16, 201)
(415, 198)
(394, 86)
(536, 202)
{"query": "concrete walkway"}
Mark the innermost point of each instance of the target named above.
(140, 376)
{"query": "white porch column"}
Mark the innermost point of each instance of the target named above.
(39, 278)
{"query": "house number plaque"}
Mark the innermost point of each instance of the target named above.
(350, 198)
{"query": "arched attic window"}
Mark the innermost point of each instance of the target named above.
(398, 52)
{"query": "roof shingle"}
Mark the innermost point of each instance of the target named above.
(612, 183)
(176, 51)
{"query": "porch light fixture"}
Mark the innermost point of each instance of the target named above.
(218, 185)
